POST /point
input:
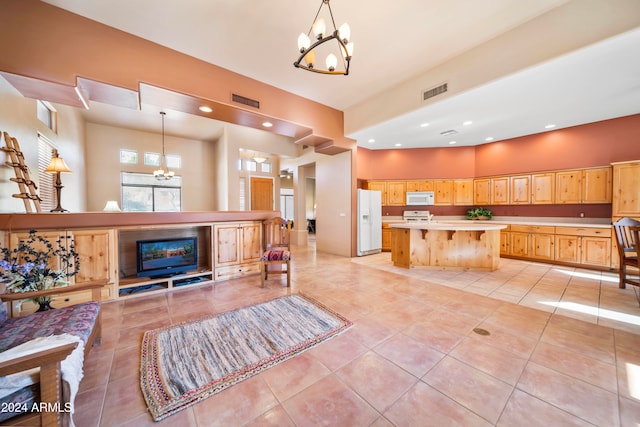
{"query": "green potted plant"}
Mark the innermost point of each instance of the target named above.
(479, 214)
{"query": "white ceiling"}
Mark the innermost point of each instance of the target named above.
(258, 39)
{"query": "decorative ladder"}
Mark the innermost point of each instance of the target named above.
(28, 189)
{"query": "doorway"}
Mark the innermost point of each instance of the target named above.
(261, 194)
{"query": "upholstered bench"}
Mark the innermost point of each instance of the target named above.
(80, 322)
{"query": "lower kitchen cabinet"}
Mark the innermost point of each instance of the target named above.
(588, 246)
(505, 236)
(532, 241)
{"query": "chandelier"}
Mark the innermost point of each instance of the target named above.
(160, 173)
(343, 47)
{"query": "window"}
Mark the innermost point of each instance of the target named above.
(46, 114)
(142, 192)
(265, 167)
(173, 161)
(45, 180)
(128, 156)
(151, 159)
(243, 194)
(251, 166)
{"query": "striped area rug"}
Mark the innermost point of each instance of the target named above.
(186, 363)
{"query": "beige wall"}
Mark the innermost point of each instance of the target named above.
(334, 204)
(18, 119)
(104, 167)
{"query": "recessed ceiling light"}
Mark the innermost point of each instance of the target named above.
(267, 124)
(489, 138)
(371, 141)
(397, 145)
(467, 123)
(424, 125)
(551, 126)
(205, 109)
(452, 142)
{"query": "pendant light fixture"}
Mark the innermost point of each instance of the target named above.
(342, 48)
(160, 173)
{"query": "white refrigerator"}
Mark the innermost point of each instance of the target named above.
(369, 222)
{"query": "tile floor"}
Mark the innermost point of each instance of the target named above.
(563, 350)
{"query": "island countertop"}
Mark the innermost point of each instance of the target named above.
(451, 225)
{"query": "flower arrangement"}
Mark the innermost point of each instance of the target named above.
(28, 266)
(479, 213)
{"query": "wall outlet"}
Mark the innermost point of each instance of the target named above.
(581, 214)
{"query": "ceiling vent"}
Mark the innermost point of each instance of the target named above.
(430, 93)
(244, 100)
(449, 132)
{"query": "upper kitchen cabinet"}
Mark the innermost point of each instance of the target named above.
(420, 185)
(584, 186)
(396, 193)
(380, 186)
(626, 189)
(443, 192)
(482, 191)
(500, 187)
(463, 192)
(532, 189)
(520, 189)
(543, 188)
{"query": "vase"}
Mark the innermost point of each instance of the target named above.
(44, 306)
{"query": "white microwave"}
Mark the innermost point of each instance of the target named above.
(420, 198)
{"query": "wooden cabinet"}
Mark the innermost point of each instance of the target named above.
(96, 255)
(463, 192)
(520, 186)
(532, 241)
(380, 186)
(543, 188)
(579, 245)
(626, 190)
(420, 185)
(238, 247)
(482, 191)
(500, 189)
(597, 185)
(443, 193)
(584, 186)
(386, 237)
(396, 193)
(95, 251)
(505, 236)
(569, 186)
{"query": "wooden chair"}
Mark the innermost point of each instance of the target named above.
(84, 323)
(277, 249)
(627, 249)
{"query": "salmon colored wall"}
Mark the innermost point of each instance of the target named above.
(74, 46)
(594, 144)
(417, 163)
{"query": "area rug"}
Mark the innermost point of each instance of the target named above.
(186, 363)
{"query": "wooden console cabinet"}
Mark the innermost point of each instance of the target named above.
(229, 245)
(237, 247)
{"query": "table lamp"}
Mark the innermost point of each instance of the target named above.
(57, 166)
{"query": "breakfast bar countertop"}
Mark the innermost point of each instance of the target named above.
(451, 225)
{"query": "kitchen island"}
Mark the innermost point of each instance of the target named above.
(446, 245)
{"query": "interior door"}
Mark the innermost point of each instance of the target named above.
(261, 194)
